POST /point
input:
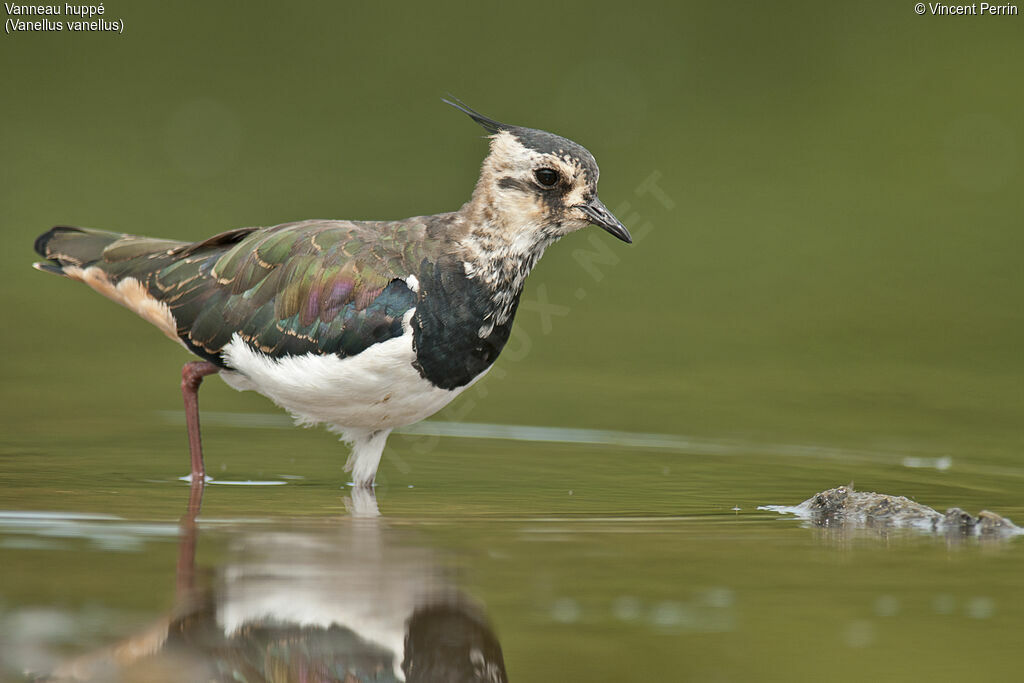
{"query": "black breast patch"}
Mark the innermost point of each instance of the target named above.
(450, 311)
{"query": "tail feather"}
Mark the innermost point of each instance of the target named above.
(167, 282)
(69, 246)
(120, 267)
(48, 267)
(44, 239)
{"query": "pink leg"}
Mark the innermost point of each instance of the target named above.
(191, 377)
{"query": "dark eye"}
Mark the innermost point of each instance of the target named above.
(548, 177)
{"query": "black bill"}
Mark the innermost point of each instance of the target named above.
(600, 216)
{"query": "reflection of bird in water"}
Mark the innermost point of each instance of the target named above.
(444, 642)
(361, 325)
(350, 605)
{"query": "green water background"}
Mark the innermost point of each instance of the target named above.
(827, 200)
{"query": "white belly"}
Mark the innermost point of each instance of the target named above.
(375, 390)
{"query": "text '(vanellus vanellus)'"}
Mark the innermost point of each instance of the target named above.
(363, 325)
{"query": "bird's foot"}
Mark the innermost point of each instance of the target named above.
(189, 478)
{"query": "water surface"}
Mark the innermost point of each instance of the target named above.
(587, 570)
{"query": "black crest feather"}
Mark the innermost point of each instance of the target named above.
(489, 124)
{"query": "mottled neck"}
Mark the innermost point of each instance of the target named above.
(500, 238)
(499, 251)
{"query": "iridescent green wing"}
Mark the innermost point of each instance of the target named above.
(324, 287)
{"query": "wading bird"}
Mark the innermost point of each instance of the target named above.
(363, 325)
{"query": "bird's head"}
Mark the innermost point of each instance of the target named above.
(538, 185)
